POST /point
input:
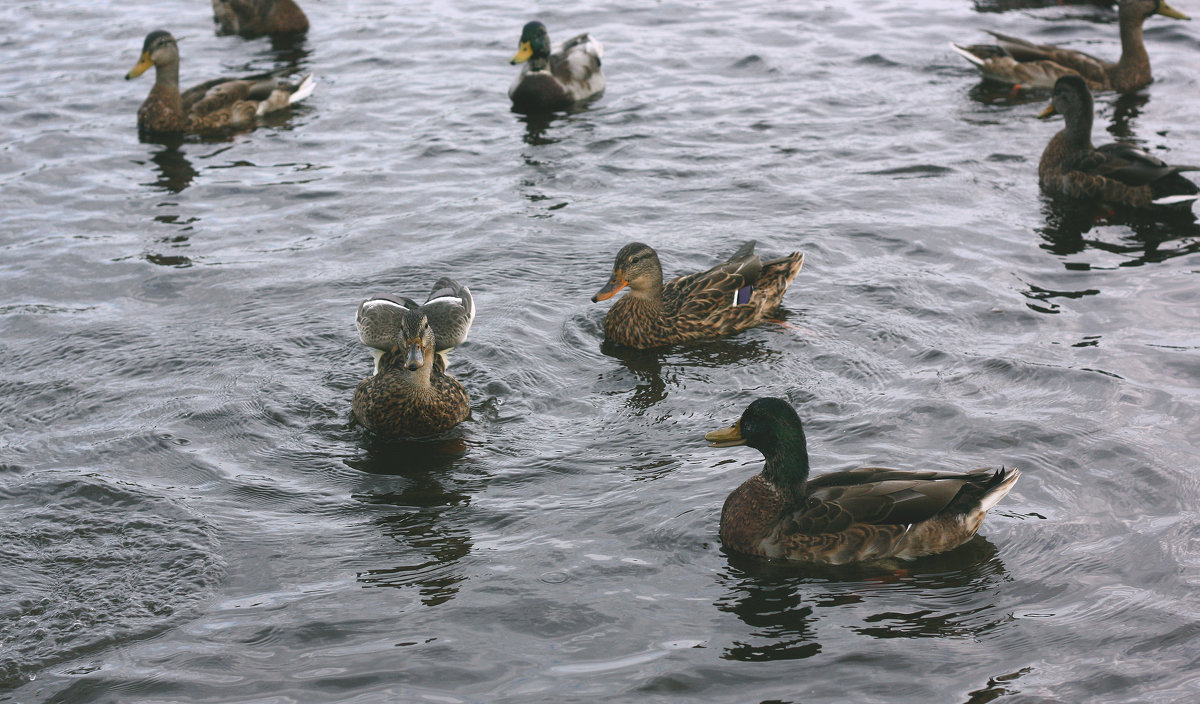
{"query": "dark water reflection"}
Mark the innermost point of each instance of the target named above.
(1138, 238)
(941, 596)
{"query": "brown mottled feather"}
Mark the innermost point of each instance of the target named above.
(251, 18)
(397, 402)
(212, 106)
(697, 306)
(1022, 62)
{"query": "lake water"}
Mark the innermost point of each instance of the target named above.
(188, 515)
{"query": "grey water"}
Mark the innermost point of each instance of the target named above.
(187, 513)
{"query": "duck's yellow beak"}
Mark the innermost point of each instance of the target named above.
(726, 437)
(143, 63)
(615, 284)
(524, 52)
(1168, 11)
(1048, 111)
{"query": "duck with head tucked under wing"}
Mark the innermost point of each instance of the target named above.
(213, 106)
(1028, 65)
(727, 298)
(411, 395)
(854, 515)
(1112, 174)
(554, 79)
(253, 18)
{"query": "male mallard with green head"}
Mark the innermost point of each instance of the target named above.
(855, 515)
(554, 79)
(1028, 65)
(727, 298)
(1111, 174)
(411, 395)
(215, 105)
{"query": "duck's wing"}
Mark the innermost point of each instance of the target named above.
(879, 496)
(378, 320)
(577, 65)
(1024, 51)
(1129, 164)
(450, 310)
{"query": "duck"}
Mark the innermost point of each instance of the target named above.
(726, 299)
(1027, 65)
(411, 395)
(554, 79)
(213, 106)
(449, 308)
(1112, 174)
(253, 18)
(849, 516)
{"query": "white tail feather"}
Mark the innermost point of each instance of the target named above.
(1173, 200)
(303, 90)
(966, 54)
(1000, 490)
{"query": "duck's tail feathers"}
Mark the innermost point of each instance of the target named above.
(305, 89)
(1175, 200)
(966, 54)
(1002, 481)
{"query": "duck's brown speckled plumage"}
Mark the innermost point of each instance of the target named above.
(1030, 65)
(411, 395)
(693, 307)
(1112, 174)
(213, 106)
(858, 515)
(252, 18)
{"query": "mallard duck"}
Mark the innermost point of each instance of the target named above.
(411, 395)
(855, 515)
(1029, 65)
(252, 18)
(554, 80)
(216, 105)
(1112, 174)
(449, 309)
(727, 298)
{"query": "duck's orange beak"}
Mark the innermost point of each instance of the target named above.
(615, 284)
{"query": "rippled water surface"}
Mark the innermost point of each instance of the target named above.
(188, 515)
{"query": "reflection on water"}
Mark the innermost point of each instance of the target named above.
(1142, 237)
(931, 597)
(175, 171)
(430, 542)
(648, 365)
(1126, 108)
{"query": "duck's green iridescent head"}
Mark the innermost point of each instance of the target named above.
(534, 44)
(771, 426)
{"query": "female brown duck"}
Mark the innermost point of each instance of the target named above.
(727, 298)
(1029, 65)
(252, 18)
(215, 105)
(411, 394)
(1112, 174)
(850, 516)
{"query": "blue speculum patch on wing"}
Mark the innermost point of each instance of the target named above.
(742, 296)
